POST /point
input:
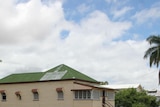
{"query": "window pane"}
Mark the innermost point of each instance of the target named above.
(96, 94)
(4, 97)
(76, 94)
(19, 97)
(80, 94)
(88, 94)
(84, 94)
(111, 95)
(35, 95)
(60, 95)
(106, 93)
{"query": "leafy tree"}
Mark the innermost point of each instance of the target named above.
(138, 105)
(154, 51)
(131, 98)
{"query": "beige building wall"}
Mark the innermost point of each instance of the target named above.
(47, 95)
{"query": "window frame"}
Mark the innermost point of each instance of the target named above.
(96, 94)
(19, 97)
(35, 96)
(82, 94)
(60, 95)
(3, 96)
(110, 95)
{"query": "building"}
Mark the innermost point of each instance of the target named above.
(119, 87)
(61, 86)
(155, 93)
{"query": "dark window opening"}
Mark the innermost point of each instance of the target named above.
(4, 97)
(60, 95)
(35, 96)
(19, 97)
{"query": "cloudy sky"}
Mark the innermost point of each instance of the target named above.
(105, 39)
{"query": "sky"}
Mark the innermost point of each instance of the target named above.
(104, 39)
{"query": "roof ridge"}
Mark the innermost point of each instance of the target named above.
(59, 67)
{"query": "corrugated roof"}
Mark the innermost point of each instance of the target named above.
(122, 86)
(22, 77)
(60, 72)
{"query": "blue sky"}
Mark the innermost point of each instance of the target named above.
(105, 39)
(76, 10)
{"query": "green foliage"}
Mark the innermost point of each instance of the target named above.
(132, 98)
(104, 83)
(154, 51)
(138, 105)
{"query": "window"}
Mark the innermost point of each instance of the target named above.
(60, 93)
(96, 94)
(82, 94)
(76, 94)
(35, 94)
(110, 95)
(4, 97)
(18, 95)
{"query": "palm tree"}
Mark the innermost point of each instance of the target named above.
(154, 51)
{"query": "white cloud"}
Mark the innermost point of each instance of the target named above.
(145, 15)
(120, 12)
(99, 28)
(28, 21)
(83, 8)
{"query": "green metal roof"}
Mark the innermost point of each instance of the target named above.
(60, 72)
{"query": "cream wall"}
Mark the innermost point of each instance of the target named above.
(47, 95)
